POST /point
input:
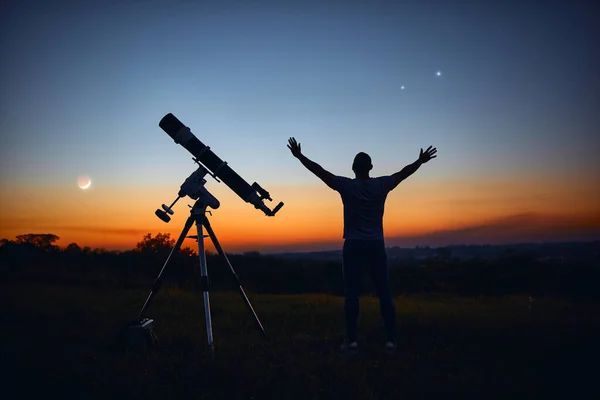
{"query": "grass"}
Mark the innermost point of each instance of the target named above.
(58, 341)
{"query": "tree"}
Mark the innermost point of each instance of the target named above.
(443, 253)
(41, 240)
(188, 251)
(160, 243)
(73, 248)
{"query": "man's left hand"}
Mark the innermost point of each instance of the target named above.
(428, 155)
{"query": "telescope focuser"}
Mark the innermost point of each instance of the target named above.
(262, 192)
(264, 195)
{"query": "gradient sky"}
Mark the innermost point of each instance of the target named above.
(514, 116)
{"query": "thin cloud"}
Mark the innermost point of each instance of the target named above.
(56, 230)
(104, 230)
(524, 227)
(36, 225)
(516, 228)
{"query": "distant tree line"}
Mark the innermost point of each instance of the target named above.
(36, 257)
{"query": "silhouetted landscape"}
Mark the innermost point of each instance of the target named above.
(554, 269)
(496, 320)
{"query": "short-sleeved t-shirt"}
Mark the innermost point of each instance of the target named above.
(364, 203)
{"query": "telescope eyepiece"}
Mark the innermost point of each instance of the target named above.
(277, 208)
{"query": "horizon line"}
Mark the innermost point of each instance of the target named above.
(416, 246)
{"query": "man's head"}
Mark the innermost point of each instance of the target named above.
(362, 164)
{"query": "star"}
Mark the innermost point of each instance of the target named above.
(402, 87)
(439, 73)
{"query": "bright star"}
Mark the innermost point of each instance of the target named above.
(402, 87)
(439, 73)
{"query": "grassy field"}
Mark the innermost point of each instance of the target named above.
(57, 342)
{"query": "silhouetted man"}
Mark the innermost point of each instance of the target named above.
(363, 199)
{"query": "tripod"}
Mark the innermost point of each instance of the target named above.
(198, 216)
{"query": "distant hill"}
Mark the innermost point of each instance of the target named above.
(568, 251)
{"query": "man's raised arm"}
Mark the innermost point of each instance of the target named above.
(412, 168)
(312, 166)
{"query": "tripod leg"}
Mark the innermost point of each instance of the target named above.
(204, 285)
(213, 237)
(158, 281)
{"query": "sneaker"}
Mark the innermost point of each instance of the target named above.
(349, 347)
(390, 347)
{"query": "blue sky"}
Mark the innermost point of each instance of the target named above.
(82, 84)
(85, 84)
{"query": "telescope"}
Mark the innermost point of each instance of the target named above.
(213, 165)
(208, 164)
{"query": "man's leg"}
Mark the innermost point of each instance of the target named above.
(380, 273)
(352, 271)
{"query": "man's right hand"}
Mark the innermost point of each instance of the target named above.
(428, 155)
(294, 147)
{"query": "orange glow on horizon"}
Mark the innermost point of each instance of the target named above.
(117, 218)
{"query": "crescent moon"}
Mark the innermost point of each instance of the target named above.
(84, 182)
